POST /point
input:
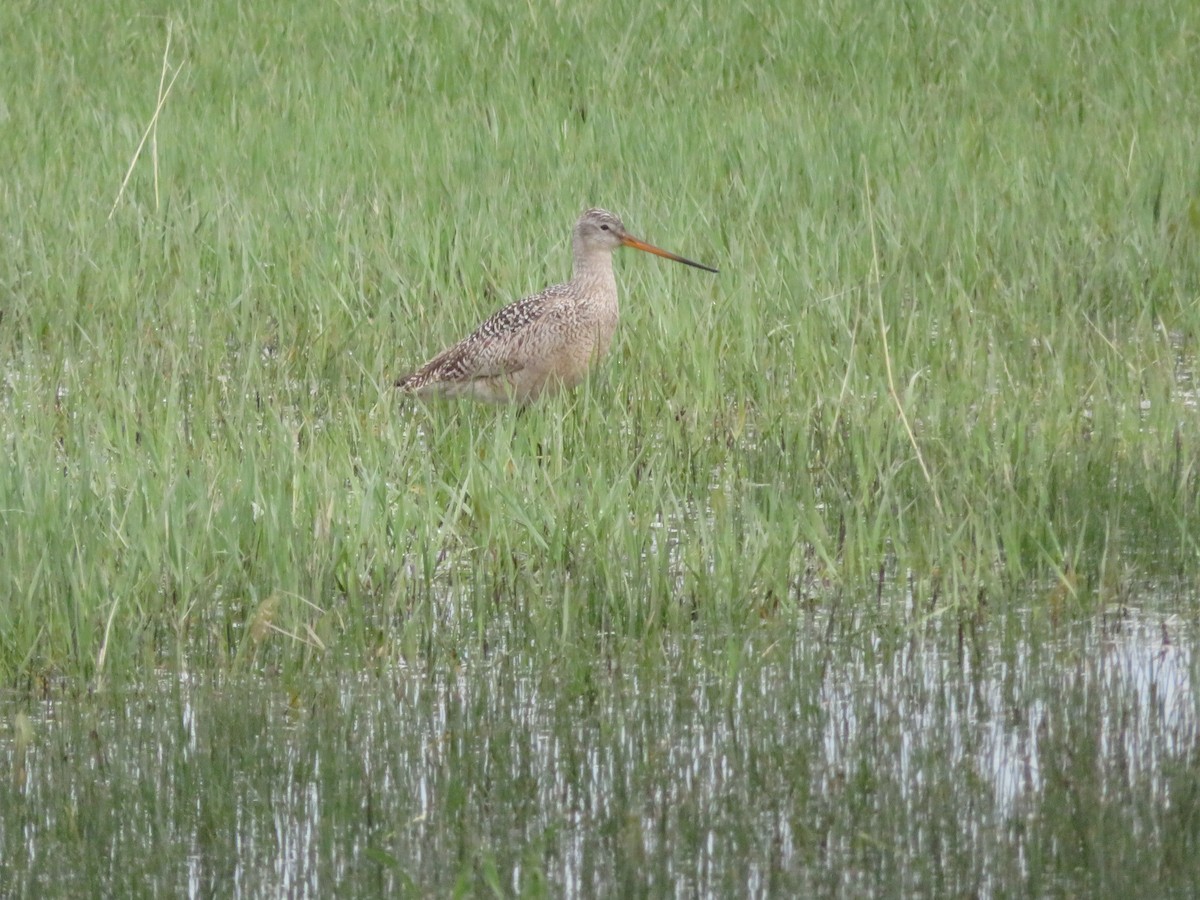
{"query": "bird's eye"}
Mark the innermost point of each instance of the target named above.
(604, 228)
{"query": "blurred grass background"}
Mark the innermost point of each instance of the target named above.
(949, 358)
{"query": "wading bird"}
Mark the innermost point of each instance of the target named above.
(545, 342)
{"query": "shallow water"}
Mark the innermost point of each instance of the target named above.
(975, 757)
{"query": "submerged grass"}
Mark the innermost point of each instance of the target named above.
(850, 767)
(950, 355)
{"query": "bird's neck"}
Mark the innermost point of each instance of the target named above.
(594, 269)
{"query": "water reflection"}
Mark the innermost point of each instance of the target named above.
(978, 759)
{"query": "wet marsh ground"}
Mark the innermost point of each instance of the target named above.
(1038, 761)
(867, 566)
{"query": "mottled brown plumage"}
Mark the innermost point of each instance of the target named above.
(545, 342)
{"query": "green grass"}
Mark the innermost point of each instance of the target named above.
(827, 767)
(952, 344)
(832, 580)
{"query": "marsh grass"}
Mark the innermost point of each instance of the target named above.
(836, 764)
(832, 580)
(949, 358)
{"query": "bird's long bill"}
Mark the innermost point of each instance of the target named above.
(630, 241)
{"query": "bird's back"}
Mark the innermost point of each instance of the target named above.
(543, 342)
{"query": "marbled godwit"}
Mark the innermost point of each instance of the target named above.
(547, 341)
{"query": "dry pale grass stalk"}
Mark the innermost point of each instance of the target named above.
(151, 131)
